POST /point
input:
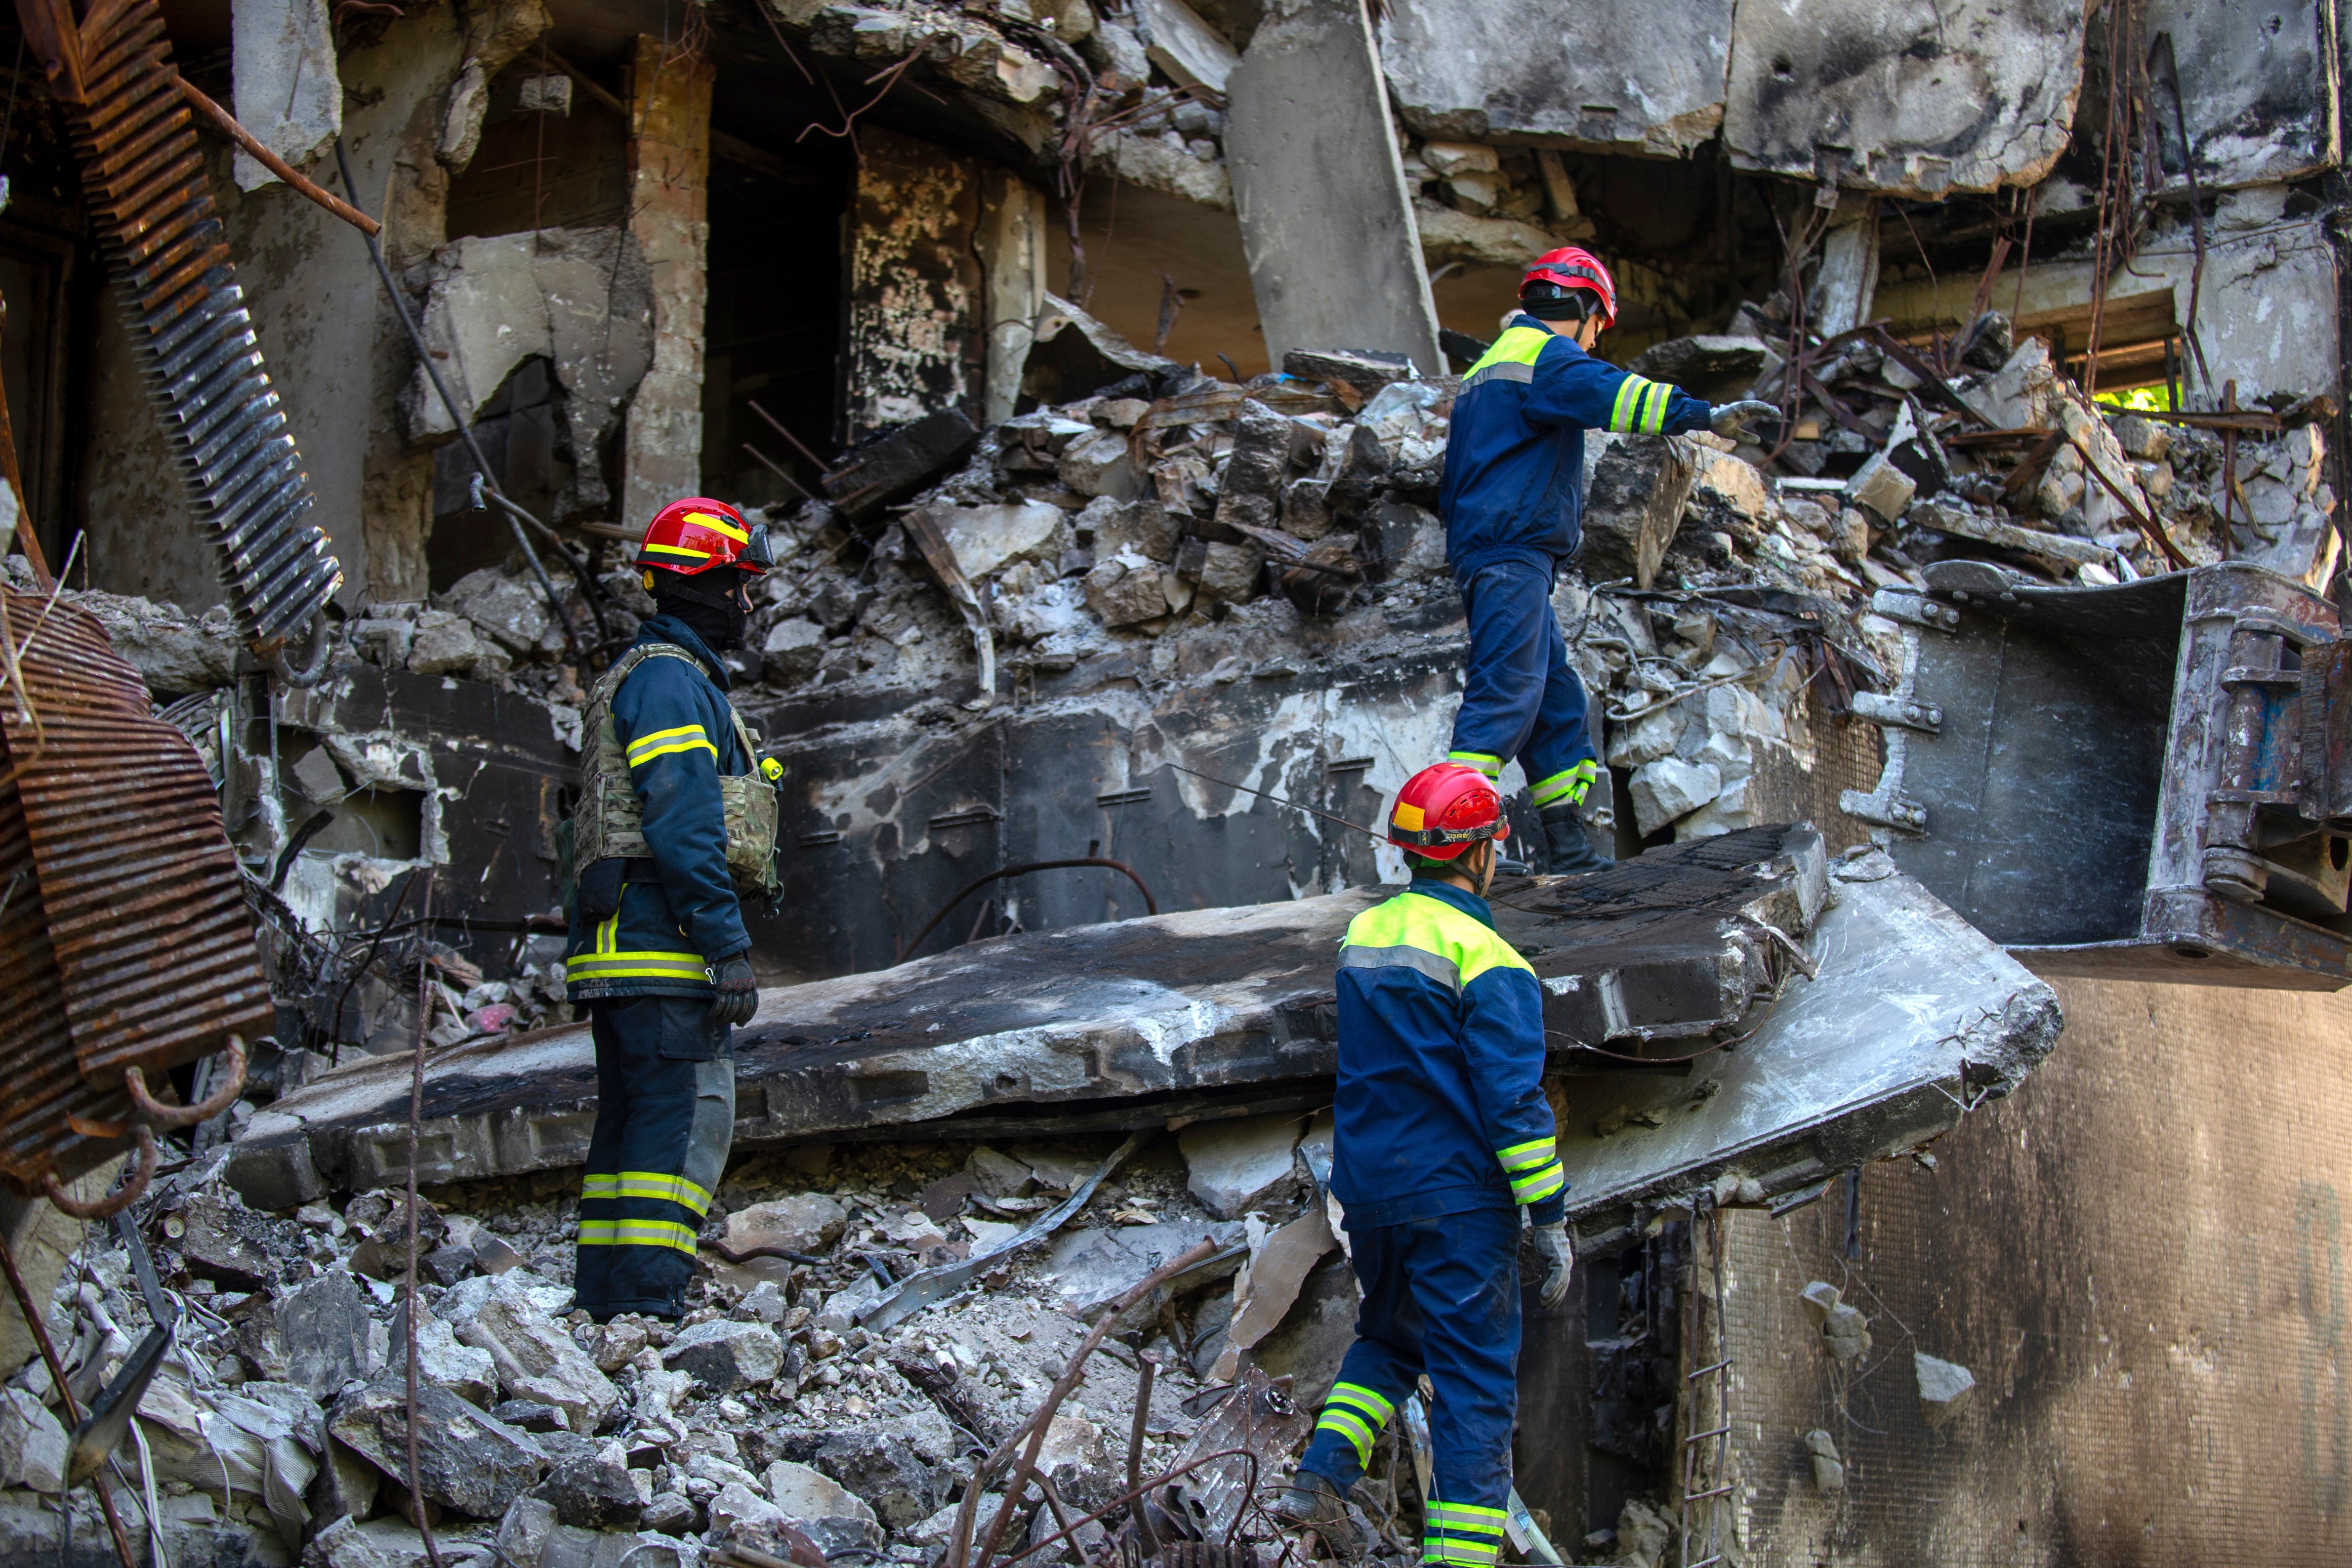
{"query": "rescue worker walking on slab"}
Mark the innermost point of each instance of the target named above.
(675, 818)
(1513, 501)
(1443, 1137)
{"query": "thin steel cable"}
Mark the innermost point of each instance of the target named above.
(408, 1301)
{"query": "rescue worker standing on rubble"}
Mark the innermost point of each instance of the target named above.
(1512, 501)
(1443, 1136)
(669, 827)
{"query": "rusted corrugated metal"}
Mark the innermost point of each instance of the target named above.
(44, 1093)
(144, 174)
(134, 947)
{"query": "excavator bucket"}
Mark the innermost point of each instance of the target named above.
(2150, 780)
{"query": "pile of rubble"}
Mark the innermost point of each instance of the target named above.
(788, 1412)
(1169, 528)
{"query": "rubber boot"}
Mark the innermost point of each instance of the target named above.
(1313, 1502)
(1570, 847)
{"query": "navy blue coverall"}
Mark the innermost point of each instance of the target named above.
(1443, 1135)
(1512, 503)
(646, 935)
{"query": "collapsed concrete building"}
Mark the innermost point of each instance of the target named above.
(1097, 361)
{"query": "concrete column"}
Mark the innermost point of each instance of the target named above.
(1012, 244)
(1327, 220)
(1848, 280)
(669, 187)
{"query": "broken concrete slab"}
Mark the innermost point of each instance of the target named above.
(1644, 81)
(1912, 1016)
(893, 467)
(1179, 42)
(1131, 1018)
(1907, 99)
(1646, 968)
(1320, 188)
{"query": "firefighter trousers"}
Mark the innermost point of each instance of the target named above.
(665, 1117)
(1519, 698)
(1441, 1297)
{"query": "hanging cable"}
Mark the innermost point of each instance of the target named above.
(590, 590)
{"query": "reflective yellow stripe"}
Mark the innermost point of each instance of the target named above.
(1349, 1424)
(1434, 927)
(719, 525)
(1654, 417)
(604, 964)
(659, 735)
(1364, 1399)
(639, 759)
(1457, 1553)
(637, 1233)
(691, 554)
(1572, 786)
(652, 1184)
(1520, 1156)
(1491, 766)
(666, 742)
(599, 1187)
(1455, 1518)
(1538, 1185)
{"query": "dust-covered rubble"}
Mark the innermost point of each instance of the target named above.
(278, 1428)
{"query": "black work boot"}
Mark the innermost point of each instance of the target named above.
(1313, 1502)
(1570, 847)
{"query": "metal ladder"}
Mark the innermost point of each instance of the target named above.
(1706, 1216)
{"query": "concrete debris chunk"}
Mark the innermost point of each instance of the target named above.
(535, 1358)
(726, 1357)
(1669, 788)
(466, 1460)
(597, 1491)
(884, 1470)
(1845, 1332)
(32, 1444)
(1828, 1470)
(1880, 487)
(1945, 1387)
(323, 1331)
(1233, 1166)
(1634, 501)
(1821, 1299)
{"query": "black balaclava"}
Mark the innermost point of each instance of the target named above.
(706, 603)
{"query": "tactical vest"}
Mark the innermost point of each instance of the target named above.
(609, 821)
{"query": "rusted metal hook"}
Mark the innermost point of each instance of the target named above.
(134, 1082)
(129, 1193)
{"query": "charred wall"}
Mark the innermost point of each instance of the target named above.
(2165, 1381)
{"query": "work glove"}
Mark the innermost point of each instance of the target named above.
(1731, 418)
(1559, 1262)
(739, 993)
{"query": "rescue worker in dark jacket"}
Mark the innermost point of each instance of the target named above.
(1443, 1137)
(1512, 503)
(657, 950)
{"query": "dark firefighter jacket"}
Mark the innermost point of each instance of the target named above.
(657, 928)
(1441, 1107)
(1514, 485)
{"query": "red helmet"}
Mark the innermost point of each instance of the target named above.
(1572, 267)
(693, 536)
(1444, 809)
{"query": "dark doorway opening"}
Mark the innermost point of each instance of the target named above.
(771, 336)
